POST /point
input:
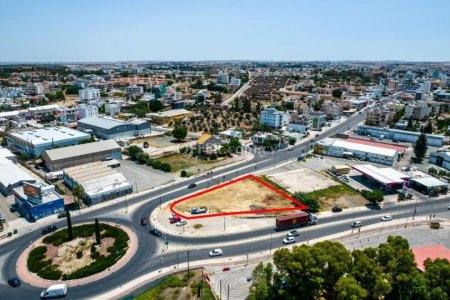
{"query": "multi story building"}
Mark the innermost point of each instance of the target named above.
(35, 88)
(318, 120)
(417, 111)
(380, 117)
(112, 109)
(223, 78)
(332, 110)
(235, 81)
(393, 84)
(87, 111)
(299, 122)
(134, 90)
(89, 95)
(273, 118)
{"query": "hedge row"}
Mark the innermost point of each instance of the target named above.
(35, 260)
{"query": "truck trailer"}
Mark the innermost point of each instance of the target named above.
(295, 220)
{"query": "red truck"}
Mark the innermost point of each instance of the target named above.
(295, 220)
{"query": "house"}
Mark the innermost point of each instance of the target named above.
(300, 122)
(230, 133)
(208, 144)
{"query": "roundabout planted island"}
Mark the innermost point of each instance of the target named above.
(77, 253)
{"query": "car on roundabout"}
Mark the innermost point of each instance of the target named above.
(14, 281)
(215, 252)
(155, 232)
(49, 229)
(181, 223)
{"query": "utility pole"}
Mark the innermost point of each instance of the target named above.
(220, 289)
(224, 223)
(178, 264)
(228, 293)
(160, 202)
(270, 249)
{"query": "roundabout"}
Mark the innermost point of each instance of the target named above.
(54, 258)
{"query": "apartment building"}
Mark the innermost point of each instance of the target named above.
(35, 88)
(332, 110)
(418, 110)
(380, 117)
(300, 122)
(134, 90)
(223, 78)
(89, 95)
(273, 118)
(112, 109)
(87, 111)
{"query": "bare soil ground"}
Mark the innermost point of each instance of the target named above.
(244, 195)
(302, 180)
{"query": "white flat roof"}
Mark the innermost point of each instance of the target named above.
(365, 148)
(105, 184)
(12, 174)
(170, 113)
(386, 176)
(429, 181)
(49, 135)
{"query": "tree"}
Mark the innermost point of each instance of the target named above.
(348, 288)
(428, 128)
(313, 204)
(337, 93)
(78, 194)
(261, 282)
(133, 150)
(179, 132)
(398, 115)
(69, 223)
(97, 232)
(432, 171)
(375, 197)
(420, 147)
(155, 105)
(246, 105)
(236, 104)
(410, 125)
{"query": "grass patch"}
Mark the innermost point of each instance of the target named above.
(333, 192)
(181, 161)
(177, 287)
(198, 226)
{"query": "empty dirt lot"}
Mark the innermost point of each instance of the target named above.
(245, 195)
(302, 180)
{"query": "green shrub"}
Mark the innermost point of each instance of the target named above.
(191, 275)
(93, 249)
(95, 255)
(166, 167)
(183, 173)
(79, 254)
(174, 281)
(50, 273)
(35, 259)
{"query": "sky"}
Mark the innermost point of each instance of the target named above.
(186, 30)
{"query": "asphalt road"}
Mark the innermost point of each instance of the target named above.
(146, 260)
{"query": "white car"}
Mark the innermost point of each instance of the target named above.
(386, 218)
(291, 149)
(293, 233)
(181, 223)
(289, 240)
(215, 252)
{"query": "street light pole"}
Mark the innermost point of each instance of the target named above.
(160, 201)
(270, 249)
(188, 265)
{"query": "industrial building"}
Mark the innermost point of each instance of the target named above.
(172, 115)
(35, 141)
(12, 176)
(106, 129)
(35, 201)
(400, 135)
(58, 159)
(99, 181)
(441, 159)
(348, 149)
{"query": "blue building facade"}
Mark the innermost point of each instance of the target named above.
(35, 201)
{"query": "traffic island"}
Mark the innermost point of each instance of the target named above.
(95, 251)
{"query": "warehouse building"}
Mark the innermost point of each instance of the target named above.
(58, 159)
(346, 149)
(35, 201)
(108, 129)
(34, 142)
(12, 176)
(99, 181)
(441, 159)
(400, 135)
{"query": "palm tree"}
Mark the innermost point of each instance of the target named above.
(78, 193)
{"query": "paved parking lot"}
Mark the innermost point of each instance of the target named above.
(143, 177)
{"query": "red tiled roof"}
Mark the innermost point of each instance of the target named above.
(432, 252)
(376, 144)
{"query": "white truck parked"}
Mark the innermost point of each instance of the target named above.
(54, 291)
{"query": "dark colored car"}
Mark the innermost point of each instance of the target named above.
(62, 214)
(155, 231)
(12, 209)
(143, 221)
(192, 185)
(336, 209)
(49, 229)
(14, 282)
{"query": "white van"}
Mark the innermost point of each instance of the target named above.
(54, 291)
